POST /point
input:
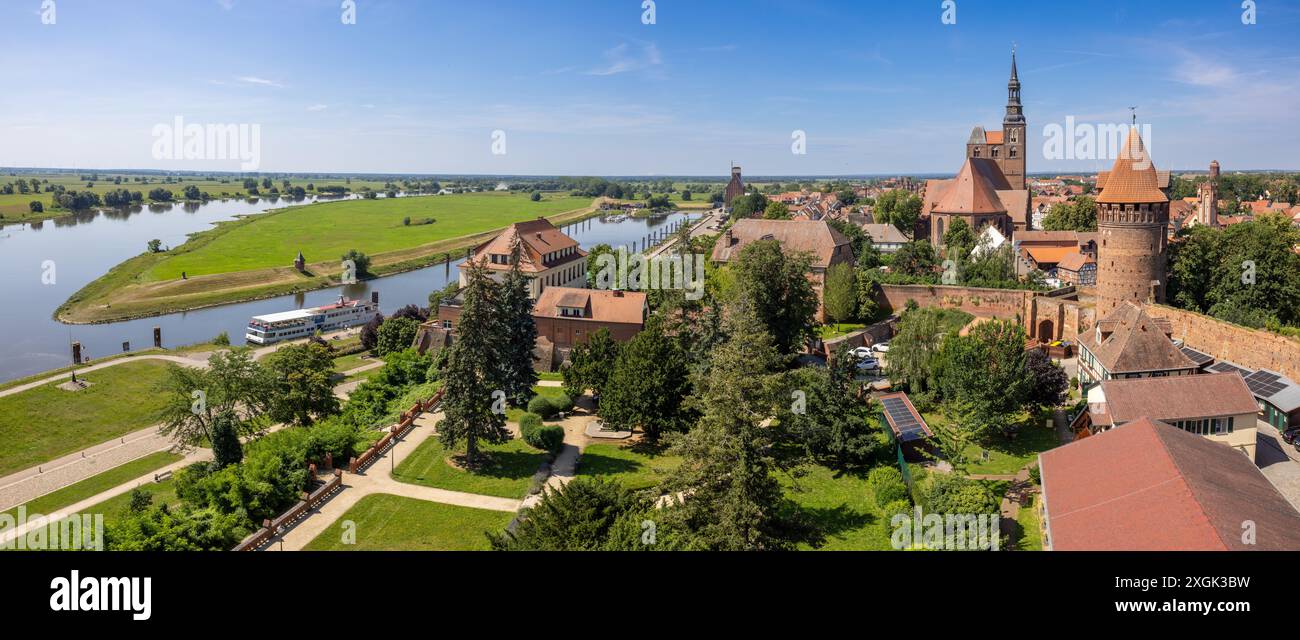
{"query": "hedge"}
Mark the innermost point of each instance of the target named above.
(547, 438)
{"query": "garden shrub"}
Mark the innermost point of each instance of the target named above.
(887, 486)
(562, 402)
(891, 509)
(542, 406)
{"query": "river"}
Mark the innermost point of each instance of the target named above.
(45, 263)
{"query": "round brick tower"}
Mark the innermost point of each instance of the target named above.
(1132, 220)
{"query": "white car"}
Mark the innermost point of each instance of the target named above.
(861, 352)
(868, 364)
(880, 347)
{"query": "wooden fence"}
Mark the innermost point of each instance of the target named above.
(405, 423)
(295, 513)
(308, 502)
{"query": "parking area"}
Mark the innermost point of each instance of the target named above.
(1279, 462)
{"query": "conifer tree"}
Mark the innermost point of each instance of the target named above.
(518, 332)
(473, 374)
(731, 500)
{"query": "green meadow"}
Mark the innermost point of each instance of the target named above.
(324, 232)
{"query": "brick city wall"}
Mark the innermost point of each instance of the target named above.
(1007, 304)
(1247, 347)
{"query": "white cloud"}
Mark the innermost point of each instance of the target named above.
(258, 81)
(623, 58)
(226, 4)
(318, 107)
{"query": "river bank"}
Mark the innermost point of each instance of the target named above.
(127, 293)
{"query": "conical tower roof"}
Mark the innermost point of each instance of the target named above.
(969, 193)
(1133, 179)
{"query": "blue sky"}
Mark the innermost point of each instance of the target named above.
(586, 88)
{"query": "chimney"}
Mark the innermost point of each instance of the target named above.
(727, 237)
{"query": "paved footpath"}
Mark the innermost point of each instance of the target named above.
(48, 477)
(84, 505)
(376, 479)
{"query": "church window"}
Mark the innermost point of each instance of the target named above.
(993, 152)
(1015, 136)
(976, 153)
(1011, 152)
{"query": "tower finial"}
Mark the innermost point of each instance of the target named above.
(1134, 111)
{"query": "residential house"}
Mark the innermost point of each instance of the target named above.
(547, 257)
(1128, 343)
(818, 239)
(1218, 406)
(1077, 269)
(886, 238)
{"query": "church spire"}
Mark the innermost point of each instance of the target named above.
(1015, 114)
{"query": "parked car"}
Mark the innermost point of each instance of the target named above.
(861, 352)
(868, 364)
(880, 347)
(1289, 436)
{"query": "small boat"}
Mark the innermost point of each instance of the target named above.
(304, 323)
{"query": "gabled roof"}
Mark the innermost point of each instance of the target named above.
(815, 237)
(1133, 178)
(884, 233)
(1149, 486)
(600, 305)
(1173, 398)
(971, 192)
(1129, 340)
(536, 238)
(1075, 261)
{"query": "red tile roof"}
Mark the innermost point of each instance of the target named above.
(600, 305)
(1129, 340)
(1133, 179)
(1151, 487)
(537, 238)
(818, 238)
(970, 193)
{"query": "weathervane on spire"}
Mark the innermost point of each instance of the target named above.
(1134, 111)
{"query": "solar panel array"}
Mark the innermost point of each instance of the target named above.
(1223, 367)
(1265, 384)
(909, 428)
(1196, 356)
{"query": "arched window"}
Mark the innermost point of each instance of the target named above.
(993, 152)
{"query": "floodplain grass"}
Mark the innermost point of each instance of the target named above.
(41, 424)
(326, 231)
(250, 258)
(384, 522)
(505, 470)
(97, 483)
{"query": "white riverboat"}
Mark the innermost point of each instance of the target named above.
(304, 323)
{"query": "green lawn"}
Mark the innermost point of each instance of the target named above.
(1006, 457)
(554, 376)
(637, 467)
(842, 507)
(44, 423)
(324, 232)
(118, 507)
(98, 483)
(507, 471)
(344, 364)
(393, 523)
(1030, 538)
(828, 331)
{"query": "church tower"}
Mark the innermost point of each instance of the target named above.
(1005, 147)
(1132, 220)
(1013, 130)
(1207, 198)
